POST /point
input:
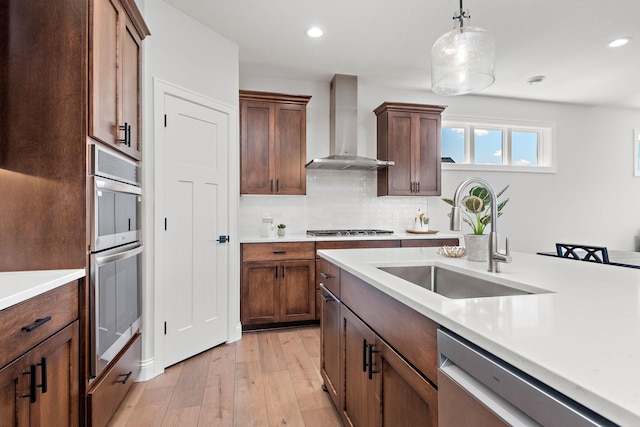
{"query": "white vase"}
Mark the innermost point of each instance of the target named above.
(281, 231)
(477, 246)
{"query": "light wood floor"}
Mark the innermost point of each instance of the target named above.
(268, 378)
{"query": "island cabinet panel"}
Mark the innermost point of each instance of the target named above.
(39, 369)
(409, 135)
(330, 343)
(384, 378)
(116, 35)
(277, 284)
(273, 147)
(399, 325)
(380, 387)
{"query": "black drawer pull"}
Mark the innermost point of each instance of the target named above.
(279, 252)
(39, 322)
(126, 377)
(326, 298)
(326, 276)
(371, 352)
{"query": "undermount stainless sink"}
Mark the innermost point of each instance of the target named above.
(453, 285)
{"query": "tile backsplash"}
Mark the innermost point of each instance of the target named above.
(337, 199)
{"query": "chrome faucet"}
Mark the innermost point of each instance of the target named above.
(495, 256)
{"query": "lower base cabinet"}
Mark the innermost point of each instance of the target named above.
(41, 387)
(107, 393)
(380, 387)
(378, 357)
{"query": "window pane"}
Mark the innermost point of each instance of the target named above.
(453, 144)
(487, 146)
(524, 148)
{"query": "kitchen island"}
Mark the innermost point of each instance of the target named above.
(578, 335)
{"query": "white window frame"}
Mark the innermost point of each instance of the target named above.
(546, 147)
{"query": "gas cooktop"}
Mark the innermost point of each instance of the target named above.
(348, 232)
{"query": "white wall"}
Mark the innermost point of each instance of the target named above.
(593, 197)
(184, 53)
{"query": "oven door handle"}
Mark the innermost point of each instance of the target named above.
(105, 259)
(108, 184)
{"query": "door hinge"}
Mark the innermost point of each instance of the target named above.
(223, 239)
(165, 328)
(165, 120)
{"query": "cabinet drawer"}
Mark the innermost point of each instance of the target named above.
(105, 396)
(429, 243)
(357, 244)
(277, 251)
(24, 325)
(329, 275)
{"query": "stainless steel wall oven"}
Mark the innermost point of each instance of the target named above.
(116, 249)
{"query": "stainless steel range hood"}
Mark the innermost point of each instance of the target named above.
(343, 124)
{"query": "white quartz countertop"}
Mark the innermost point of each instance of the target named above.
(582, 337)
(305, 238)
(19, 286)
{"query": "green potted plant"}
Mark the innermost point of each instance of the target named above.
(477, 213)
(281, 228)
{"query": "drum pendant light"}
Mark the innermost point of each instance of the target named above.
(462, 60)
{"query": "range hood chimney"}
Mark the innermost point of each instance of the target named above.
(343, 125)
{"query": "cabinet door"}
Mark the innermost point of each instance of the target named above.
(330, 344)
(403, 396)
(256, 147)
(58, 358)
(259, 292)
(358, 406)
(103, 124)
(427, 154)
(297, 290)
(290, 151)
(15, 381)
(130, 93)
(400, 176)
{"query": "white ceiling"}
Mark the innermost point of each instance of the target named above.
(388, 43)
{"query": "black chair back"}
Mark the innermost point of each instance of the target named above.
(583, 252)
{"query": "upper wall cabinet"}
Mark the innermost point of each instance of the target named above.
(409, 134)
(273, 143)
(117, 30)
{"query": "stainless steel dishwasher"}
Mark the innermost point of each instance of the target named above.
(476, 389)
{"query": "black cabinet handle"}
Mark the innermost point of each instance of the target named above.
(123, 128)
(279, 252)
(126, 377)
(271, 185)
(128, 134)
(32, 383)
(276, 271)
(326, 298)
(43, 374)
(37, 324)
(371, 370)
(364, 355)
(282, 270)
(326, 276)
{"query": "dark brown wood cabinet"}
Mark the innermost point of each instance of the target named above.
(330, 343)
(387, 381)
(277, 283)
(409, 135)
(273, 148)
(106, 395)
(39, 374)
(117, 31)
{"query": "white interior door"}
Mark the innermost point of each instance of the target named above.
(195, 273)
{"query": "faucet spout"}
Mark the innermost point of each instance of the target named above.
(495, 256)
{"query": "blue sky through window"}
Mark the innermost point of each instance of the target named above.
(453, 144)
(524, 148)
(487, 147)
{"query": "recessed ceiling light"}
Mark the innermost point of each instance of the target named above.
(315, 32)
(535, 80)
(620, 42)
